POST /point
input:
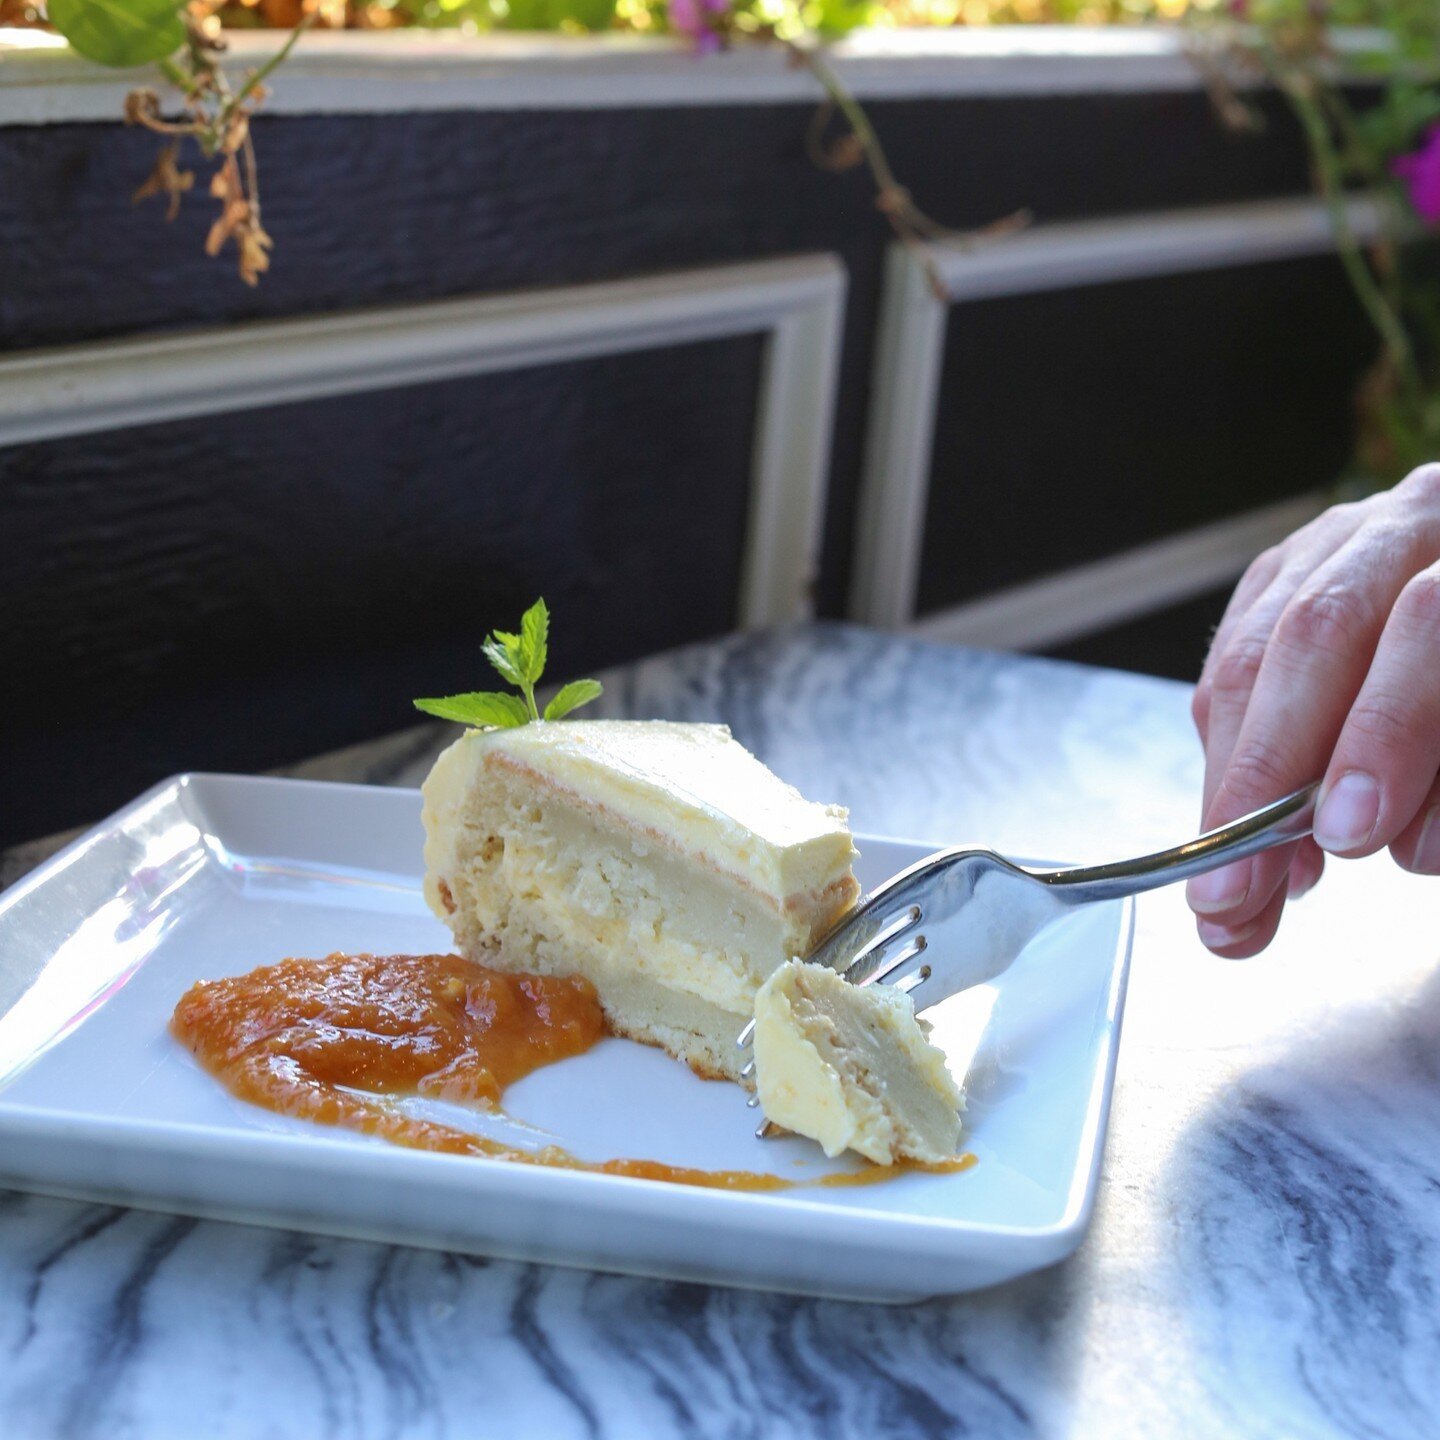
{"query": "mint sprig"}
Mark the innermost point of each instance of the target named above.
(520, 659)
(572, 697)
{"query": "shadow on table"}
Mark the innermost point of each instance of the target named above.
(1309, 1230)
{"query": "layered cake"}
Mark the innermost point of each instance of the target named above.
(661, 861)
(850, 1066)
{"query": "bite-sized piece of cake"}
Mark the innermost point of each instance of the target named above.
(850, 1066)
(661, 861)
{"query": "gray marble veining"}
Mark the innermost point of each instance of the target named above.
(1265, 1256)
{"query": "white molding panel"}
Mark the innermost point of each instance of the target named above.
(43, 82)
(796, 303)
(1122, 587)
(910, 351)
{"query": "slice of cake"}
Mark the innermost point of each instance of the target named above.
(661, 861)
(849, 1066)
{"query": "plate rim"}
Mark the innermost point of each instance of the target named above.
(616, 1193)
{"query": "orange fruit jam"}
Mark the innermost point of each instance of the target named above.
(329, 1040)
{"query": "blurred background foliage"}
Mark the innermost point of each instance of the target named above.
(651, 17)
(831, 17)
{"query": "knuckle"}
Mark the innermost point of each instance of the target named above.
(1266, 563)
(1238, 666)
(1255, 776)
(1328, 620)
(1200, 705)
(1382, 535)
(1381, 726)
(1334, 519)
(1419, 602)
(1422, 485)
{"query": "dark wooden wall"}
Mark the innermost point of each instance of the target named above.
(246, 590)
(1131, 410)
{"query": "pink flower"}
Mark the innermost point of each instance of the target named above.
(1420, 170)
(695, 19)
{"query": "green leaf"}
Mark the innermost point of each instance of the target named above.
(120, 32)
(572, 697)
(833, 18)
(482, 708)
(535, 641)
(555, 14)
(520, 659)
(503, 652)
(513, 645)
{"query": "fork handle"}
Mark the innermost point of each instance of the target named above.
(1286, 820)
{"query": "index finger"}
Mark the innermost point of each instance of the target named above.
(1233, 666)
(1312, 671)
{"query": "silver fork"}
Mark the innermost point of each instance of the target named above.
(1006, 905)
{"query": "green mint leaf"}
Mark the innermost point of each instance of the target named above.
(515, 648)
(520, 659)
(120, 32)
(500, 655)
(572, 697)
(535, 641)
(481, 708)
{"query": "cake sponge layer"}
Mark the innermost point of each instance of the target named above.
(609, 851)
(850, 1066)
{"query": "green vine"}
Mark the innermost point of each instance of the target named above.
(1362, 78)
(186, 44)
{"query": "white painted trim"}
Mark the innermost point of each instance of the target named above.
(43, 82)
(1108, 592)
(795, 302)
(792, 453)
(895, 485)
(1092, 252)
(895, 478)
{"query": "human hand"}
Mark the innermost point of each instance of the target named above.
(1327, 662)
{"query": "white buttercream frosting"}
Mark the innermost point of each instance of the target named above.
(852, 1068)
(692, 785)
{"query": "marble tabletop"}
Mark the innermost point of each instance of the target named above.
(1265, 1255)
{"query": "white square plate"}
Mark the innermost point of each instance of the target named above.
(208, 876)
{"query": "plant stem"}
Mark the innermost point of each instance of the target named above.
(1376, 174)
(853, 112)
(259, 77)
(891, 197)
(176, 75)
(1362, 278)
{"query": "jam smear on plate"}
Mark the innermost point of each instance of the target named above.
(333, 1040)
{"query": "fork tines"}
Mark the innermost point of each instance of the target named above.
(872, 950)
(868, 965)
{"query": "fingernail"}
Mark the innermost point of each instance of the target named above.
(1348, 813)
(1223, 937)
(1427, 851)
(1303, 886)
(1223, 889)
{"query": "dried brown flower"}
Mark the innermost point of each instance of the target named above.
(239, 220)
(255, 246)
(237, 132)
(167, 179)
(142, 107)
